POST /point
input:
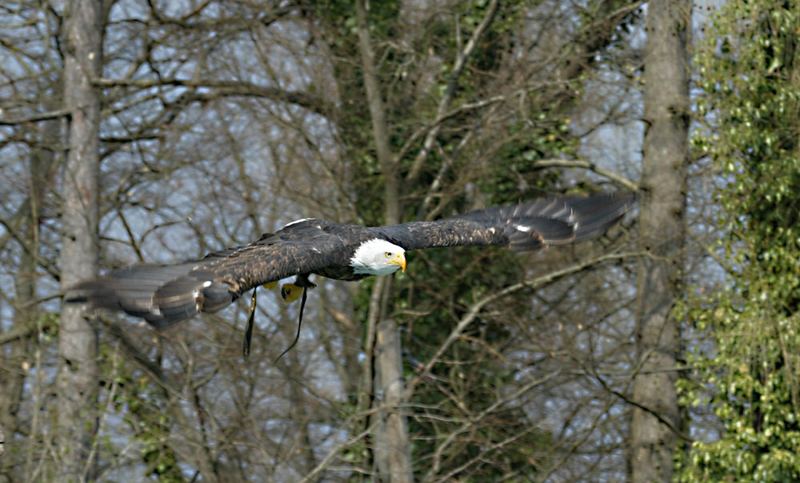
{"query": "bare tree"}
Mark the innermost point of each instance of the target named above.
(28, 316)
(392, 444)
(656, 421)
(223, 120)
(78, 379)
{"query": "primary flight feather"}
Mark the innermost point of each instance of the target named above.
(166, 294)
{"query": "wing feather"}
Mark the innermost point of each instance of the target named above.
(166, 294)
(526, 226)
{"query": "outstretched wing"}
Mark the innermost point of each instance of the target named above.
(527, 226)
(165, 294)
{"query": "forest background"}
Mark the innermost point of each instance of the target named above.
(153, 131)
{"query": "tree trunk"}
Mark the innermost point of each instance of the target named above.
(77, 346)
(25, 309)
(666, 112)
(392, 452)
(392, 447)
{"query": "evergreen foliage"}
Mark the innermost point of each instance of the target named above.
(749, 68)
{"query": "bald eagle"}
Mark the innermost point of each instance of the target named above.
(166, 294)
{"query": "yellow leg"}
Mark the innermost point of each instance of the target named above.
(291, 292)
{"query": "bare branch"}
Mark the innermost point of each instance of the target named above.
(313, 475)
(17, 332)
(583, 164)
(666, 422)
(311, 102)
(38, 117)
(452, 83)
(476, 308)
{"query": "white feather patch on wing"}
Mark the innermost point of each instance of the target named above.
(296, 222)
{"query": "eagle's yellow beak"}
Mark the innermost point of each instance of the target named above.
(399, 260)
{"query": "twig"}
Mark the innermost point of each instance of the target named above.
(38, 117)
(579, 163)
(312, 476)
(476, 308)
(452, 82)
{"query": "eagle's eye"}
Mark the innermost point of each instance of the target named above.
(388, 254)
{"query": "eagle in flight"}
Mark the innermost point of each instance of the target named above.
(166, 294)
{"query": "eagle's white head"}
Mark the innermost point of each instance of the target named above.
(378, 257)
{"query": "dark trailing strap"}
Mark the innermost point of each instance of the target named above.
(299, 324)
(248, 333)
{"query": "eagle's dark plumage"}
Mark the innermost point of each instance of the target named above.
(165, 294)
